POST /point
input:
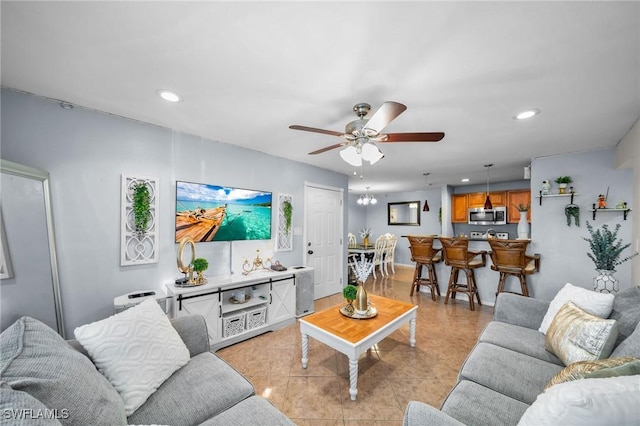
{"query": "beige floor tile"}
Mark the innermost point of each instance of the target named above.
(390, 375)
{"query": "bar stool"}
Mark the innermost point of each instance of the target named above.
(457, 255)
(423, 253)
(509, 258)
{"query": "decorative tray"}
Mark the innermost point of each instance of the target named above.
(349, 311)
(188, 284)
(246, 299)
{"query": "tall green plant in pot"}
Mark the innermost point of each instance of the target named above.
(606, 253)
(141, 209)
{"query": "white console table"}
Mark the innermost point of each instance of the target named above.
(271, 304)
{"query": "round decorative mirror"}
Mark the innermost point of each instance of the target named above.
(188, 241)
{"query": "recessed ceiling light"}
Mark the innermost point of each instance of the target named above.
(527, 114)
(465, 180)
(168, 95)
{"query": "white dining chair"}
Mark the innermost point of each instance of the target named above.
(352, 240)
(378, 256)
(389, 254)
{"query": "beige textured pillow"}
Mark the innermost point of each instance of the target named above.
(575, 335)
(578, 370)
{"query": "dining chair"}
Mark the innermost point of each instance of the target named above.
(460, 258)
(425, 256)
(389, 254)
(509, 257)
(352, 240)
(378, 256)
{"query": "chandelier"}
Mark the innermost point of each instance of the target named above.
(366, 199)
(367, 150)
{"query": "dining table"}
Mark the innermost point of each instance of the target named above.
(361, 249)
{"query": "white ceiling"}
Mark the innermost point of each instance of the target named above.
(247, 70)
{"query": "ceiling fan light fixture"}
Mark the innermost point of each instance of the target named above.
(351, 156)
(371, 153)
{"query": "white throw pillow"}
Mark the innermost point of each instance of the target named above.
(136, 350)
(610, 401)
(598, 304)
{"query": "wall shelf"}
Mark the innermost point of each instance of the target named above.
(571, 194)
(624, 211)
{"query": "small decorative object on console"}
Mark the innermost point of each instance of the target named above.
(258, 264)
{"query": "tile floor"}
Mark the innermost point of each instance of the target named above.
(390, 375)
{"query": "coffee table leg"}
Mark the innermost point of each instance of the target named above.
(353, 378)
(305, 350)
(412, 332)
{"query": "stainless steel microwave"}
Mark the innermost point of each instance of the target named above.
(480, 216)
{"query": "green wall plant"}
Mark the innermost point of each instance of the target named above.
(287, 210)
(141, 208)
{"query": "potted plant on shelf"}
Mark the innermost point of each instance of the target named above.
(200, 265)
(562, 182)
(606, 253)
(141, 209)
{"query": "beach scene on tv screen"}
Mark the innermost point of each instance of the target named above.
(220, 213)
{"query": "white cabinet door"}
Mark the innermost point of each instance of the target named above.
(283, 301)
(207, 306)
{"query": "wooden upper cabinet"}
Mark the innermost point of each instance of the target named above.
(459, 208)
(477, 199)
(522, 196)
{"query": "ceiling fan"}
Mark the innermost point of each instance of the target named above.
(362, 134)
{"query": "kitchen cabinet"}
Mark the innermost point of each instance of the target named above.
(459, 208)
(515, 198)
(477, 199)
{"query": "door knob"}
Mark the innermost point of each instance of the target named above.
(310, 252)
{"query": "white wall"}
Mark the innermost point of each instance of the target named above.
(86, 152)
(563, 250)
(628, 156)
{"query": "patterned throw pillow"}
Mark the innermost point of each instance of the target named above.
(136, 350)
(598, 304)
(575, 335)
(581, 369)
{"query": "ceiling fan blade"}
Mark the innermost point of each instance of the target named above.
(414, 137)
(384, 115)
(328, 148)
(313, 129)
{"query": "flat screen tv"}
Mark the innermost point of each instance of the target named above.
(221, 213)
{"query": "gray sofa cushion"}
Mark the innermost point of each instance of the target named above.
(419, 413)
(203, 388)
(511, 373)
(629, 346)
(250, 412)
(519, 310)
(36, 360)
(520, 339)
(474, 404)
(626, 311)
(21, 409)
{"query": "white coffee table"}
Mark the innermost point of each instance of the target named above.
(351, 336)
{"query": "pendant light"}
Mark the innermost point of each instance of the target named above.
(487, 202)
(426, 202)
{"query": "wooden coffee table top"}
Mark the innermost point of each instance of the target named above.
(354, 330)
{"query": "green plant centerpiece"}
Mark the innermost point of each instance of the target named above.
(606, 252)
(349, 293)
(287, 210)
(141, 209)
(562, 182)
(200, 265)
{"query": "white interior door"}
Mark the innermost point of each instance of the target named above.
(323, 238)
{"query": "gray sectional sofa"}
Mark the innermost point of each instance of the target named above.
(45, 380)
(509, 367)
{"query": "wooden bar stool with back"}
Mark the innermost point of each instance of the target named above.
(457, 255)
(424, 255)
(509, 257)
